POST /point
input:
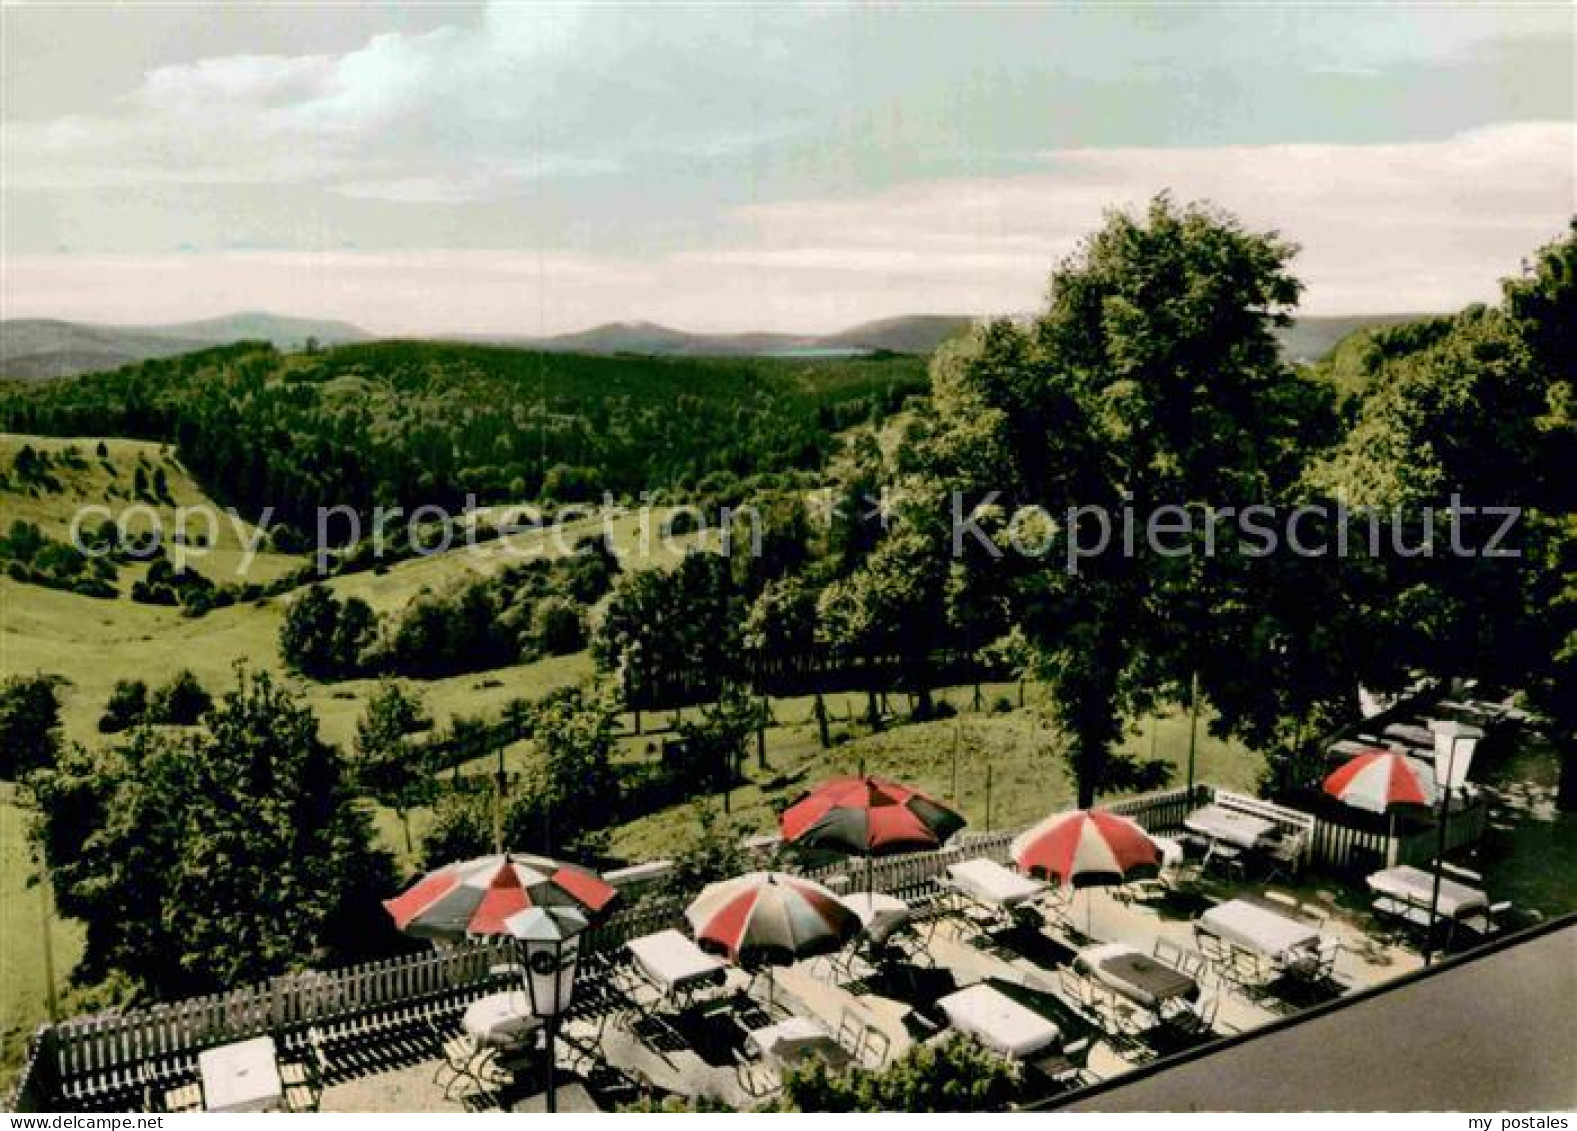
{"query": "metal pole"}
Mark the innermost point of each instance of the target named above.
(1440, 854)
(957, 731)
(1193, 726)
(498, 804)
(988, 799)
(49, 946)
(552, 1098)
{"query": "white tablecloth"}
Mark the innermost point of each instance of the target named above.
(1414, 885)
(990, 882)
(1229, 825)
(880, 915)
(501, 1019)
(998, 1021)
(1260, 929)
(241, 1077)
(673, 961)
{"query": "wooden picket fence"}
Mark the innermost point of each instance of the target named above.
(1349, 847)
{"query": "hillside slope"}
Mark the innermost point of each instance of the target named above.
(38, 348)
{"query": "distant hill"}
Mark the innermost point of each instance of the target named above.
(1313, 338)
(35, 348)
(1308, 339)
(911, 334)
(915, 333)
(282, 330)
(40, 348)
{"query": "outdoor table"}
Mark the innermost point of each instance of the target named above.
(880, 915)
(1135, 975)
(241, 1077)
(798, 1039)
(1256, 927)
(1418, 736)
(1415, 886)
(998, 1021)
(1228, 825)
(1171, 851)
(500, 1020)
(674, 963)
(988, 882)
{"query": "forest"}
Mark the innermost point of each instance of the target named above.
(423, 423)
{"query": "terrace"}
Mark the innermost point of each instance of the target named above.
(389, 1037)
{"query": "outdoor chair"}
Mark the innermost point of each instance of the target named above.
(1248, 967)
(1226, 861)
(1073, 987)
(303, 1089)
(1181, 959)
(1167, 951)
(179, 1100)
(1201, 1017)
(456, 1053)
(753, 1076)
(1064, 1069)
(1284, 855)
(858, 1033)
(1214, 949)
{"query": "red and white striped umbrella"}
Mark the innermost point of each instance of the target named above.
(871, 816)
(1085, 848)
(474, 897)
(770, 917)
(1379, 780)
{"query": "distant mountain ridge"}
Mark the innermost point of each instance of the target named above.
(1306, 340)
(46, 347)
(916, 333)
(38, 348)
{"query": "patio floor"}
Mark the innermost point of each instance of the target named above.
(660, 1064)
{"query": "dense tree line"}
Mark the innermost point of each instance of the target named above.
(402, 423)
(32, 556)
(525, 611)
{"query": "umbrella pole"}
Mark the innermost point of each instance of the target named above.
(551, 1100)
(868, 887)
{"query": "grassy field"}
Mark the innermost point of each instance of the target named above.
(23, 913)
(107, 481)
(93, 642)
(1019, 754)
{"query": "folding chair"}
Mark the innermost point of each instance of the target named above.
(1248, 967)
(460, 1060)
(1166, 951)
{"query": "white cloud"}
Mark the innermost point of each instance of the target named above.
(1414, 227)
(555, 90)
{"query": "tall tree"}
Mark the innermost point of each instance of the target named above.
(390, 763)
(1152, 379)
(29, 724)
(202, 861)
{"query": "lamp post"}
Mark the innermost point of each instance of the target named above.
(552, 940)
(1454, 746)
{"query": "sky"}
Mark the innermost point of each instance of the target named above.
(529, 169)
